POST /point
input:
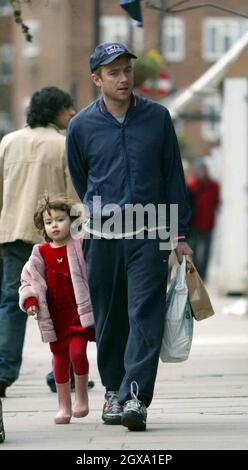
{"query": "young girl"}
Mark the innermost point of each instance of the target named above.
(55, 289)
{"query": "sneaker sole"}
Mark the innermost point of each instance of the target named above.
(115, 420)
(133, 421)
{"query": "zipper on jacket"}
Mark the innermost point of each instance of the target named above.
(122, 127)
(126, 161)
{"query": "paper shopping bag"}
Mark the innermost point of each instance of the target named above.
(197, 293)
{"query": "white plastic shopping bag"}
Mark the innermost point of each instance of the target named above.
(178, 325)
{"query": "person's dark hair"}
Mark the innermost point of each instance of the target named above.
(45, 106)
(47, 203)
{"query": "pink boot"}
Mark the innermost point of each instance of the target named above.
(81, 405)
(64, 395)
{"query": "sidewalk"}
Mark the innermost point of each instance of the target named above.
(198, 404)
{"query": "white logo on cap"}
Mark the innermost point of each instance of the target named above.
(114, 48)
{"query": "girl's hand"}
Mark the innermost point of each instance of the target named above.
(33, 310)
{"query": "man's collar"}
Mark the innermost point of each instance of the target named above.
(103, 108)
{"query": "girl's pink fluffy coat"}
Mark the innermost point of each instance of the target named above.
(33, 284)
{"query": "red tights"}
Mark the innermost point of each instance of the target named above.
(75, 353)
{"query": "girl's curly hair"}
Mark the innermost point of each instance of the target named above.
(46, 204)
(45, 106)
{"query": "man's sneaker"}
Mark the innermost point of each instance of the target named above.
(2, 434)
(112, 410)
(134, 412)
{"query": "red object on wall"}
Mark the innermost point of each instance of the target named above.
(158, 88)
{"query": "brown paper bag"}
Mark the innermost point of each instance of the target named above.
(198, 296)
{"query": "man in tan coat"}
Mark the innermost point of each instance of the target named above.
(32, 161)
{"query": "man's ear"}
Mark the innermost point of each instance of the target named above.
(96, 80)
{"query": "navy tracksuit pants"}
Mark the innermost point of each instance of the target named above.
(127, 281)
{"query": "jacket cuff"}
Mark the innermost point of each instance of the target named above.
(86, 319)
(179, 238)
(48, 336)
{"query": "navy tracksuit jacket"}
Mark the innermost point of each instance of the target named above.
(136, 162)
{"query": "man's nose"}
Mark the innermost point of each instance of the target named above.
(72, 112)
(123, 77)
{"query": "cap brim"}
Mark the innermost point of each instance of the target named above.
(115, 56)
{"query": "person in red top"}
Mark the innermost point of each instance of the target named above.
(66, 320)
(204, 197)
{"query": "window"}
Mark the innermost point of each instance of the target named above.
(114, 29)
(219, 34)
(6, 63)
(121, 29)
(32, 49)
(211, 106)
(5, 8)
(173, 39)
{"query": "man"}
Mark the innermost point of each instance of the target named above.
(32, 160)
(123, 150)
(205, 199)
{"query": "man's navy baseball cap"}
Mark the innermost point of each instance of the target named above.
(106, 52)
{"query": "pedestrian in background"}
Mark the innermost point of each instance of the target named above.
(32, 160)
(205, 199)
(123, 149)
(54, 287)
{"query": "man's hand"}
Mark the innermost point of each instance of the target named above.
(182, 249)
(33, 310)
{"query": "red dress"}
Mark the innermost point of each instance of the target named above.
(60, 297)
